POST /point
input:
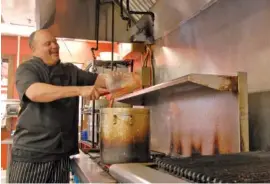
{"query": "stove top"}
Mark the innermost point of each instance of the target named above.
(232, 168)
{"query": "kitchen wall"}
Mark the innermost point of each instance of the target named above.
(229, 36)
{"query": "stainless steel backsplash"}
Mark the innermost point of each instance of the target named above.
(230, 36)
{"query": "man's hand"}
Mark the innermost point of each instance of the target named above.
(92, 92)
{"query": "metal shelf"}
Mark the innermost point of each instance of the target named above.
(183, 84)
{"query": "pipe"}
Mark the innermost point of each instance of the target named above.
(122, 15)
(132, 20)
(93, 124)
(93, 49)
(112, 41)
(112, 36)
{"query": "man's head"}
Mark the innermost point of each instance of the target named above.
(44, 45)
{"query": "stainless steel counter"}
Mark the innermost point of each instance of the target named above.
(140, 173)
(88, 171)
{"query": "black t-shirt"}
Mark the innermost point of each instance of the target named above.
(47, 131)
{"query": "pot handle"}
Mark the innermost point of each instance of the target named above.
(129, 120)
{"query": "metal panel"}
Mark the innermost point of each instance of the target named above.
(139, 173)
(230, 36)
(202, 121)
(169, 14)
(222, 40)
(67, 18)
(76, 19)
(88, 171)
(259, 119)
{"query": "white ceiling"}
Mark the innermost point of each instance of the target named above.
(19, 12)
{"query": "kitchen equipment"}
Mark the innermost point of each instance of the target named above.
(104, 103)
(125, 135)
(93, 128)
(140, 173)
(248, 167)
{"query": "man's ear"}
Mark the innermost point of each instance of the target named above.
(33, 48)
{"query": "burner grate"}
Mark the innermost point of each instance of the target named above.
(243, 167)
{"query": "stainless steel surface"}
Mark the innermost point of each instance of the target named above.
(173, 13)
(201, 121)
(88, 171)
(139, 173)
(229, 36)
(90, 128)
(99, 104)
(124, 135)
(61, 17)
(104, 103)
(69, 19)
(185, 83)
(76, 20)
(259, 120)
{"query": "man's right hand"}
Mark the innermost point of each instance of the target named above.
(92, 92)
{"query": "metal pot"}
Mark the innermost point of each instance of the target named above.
(104, 103)
(94, 122)
(125, 135)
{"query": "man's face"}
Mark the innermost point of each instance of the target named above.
(46, 47)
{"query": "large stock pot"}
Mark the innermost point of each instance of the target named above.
(125, 135)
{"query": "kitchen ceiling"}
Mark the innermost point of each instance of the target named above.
(18, 12)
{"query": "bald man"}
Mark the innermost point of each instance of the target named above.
(47, 129)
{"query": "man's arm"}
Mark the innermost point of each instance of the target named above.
(42, 92)
(30, 87)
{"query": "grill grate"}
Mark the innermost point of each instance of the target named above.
(243, 167)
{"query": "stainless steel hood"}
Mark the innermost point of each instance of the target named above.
(76, 18)
(67, 18)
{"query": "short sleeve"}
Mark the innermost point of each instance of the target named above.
(25, 77)
(85, 78)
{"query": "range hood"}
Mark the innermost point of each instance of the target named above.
(68, 18)
(76, 18)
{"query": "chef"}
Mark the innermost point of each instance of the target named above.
(47, 129)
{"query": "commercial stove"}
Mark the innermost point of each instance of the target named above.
(246, 167)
